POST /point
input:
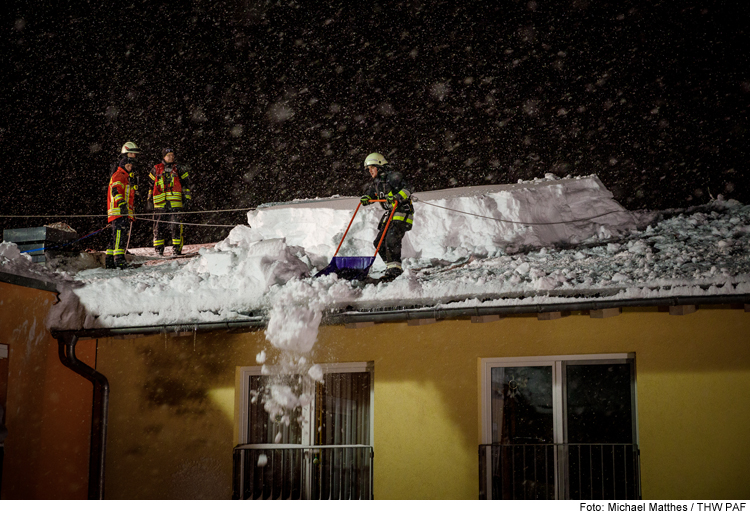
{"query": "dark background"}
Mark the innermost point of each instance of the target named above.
(271, 101)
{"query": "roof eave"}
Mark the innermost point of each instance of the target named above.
(402, 314)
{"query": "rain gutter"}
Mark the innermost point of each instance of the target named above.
(442, 312)
(99, 409)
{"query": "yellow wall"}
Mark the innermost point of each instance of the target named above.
(171, 416)
(172, 424)
(48, 413)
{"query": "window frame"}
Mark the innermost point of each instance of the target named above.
(243, 392)
(558, 392)
(559, 403)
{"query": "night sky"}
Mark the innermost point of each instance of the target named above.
(271, 101)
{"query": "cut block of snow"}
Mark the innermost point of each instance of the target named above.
(476, 220)
(218, 263)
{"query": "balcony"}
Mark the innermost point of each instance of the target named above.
(559, 471)
(290, 471)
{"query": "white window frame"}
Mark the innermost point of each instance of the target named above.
(309, 410)
(558, 394)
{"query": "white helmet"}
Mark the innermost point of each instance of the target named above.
(129, 148)
(375, 159)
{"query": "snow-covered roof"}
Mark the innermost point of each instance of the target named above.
(546, 242)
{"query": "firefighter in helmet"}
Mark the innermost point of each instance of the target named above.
(389, 185)
(120, 205)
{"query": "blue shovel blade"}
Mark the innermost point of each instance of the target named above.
(349, 268)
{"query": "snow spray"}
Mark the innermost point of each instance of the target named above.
(296, 312)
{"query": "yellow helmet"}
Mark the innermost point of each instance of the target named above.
(375, 159)
(130, 147)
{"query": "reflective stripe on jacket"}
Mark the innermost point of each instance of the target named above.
(170, 185)
(393, 183)
(120, 191)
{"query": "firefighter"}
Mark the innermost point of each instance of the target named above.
(120, 212)
(170, 194)
(389, 185)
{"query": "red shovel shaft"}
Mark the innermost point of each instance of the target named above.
(393, 210)
(350, 225)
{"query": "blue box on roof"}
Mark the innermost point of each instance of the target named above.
(38, 242)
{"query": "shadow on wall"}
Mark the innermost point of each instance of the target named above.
(165, 437)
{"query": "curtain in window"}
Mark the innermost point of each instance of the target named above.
(343, 409)
(342, 406)
(340, 417)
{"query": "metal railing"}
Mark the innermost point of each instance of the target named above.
(290, 471)
(559, 471)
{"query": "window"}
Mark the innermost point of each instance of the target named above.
(559, 427)
(326, 449)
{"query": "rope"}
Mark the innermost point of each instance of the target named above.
(104, 215)
(140, 217)
(522, 223)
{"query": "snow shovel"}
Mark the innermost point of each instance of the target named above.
(355, 268)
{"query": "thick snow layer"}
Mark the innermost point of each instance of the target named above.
(542, 213)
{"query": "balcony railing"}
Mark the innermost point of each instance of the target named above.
(289, 471)
(559, 471)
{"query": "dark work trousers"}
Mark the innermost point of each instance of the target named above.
(118, 243)
(176, 229)
(390, 249)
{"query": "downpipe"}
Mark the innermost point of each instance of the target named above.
(99, 410)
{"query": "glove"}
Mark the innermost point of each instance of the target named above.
(365, 200)
(390, 198)
(124, 209)
(186, 204)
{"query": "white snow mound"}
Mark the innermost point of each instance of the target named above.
(483, 219)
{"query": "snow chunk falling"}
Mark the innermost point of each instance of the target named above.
(293, 322)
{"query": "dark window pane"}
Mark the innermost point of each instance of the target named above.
(599, 404)
(522, 405)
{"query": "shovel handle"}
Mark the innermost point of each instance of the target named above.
(393, 210)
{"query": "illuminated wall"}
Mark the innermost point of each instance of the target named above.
(173, 425)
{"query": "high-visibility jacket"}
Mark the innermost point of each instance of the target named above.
(171, 186)
(392, 183)
(120, 190)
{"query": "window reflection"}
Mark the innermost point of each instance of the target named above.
(522, 405)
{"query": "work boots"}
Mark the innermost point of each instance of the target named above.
(121, 263)
(391, 273)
